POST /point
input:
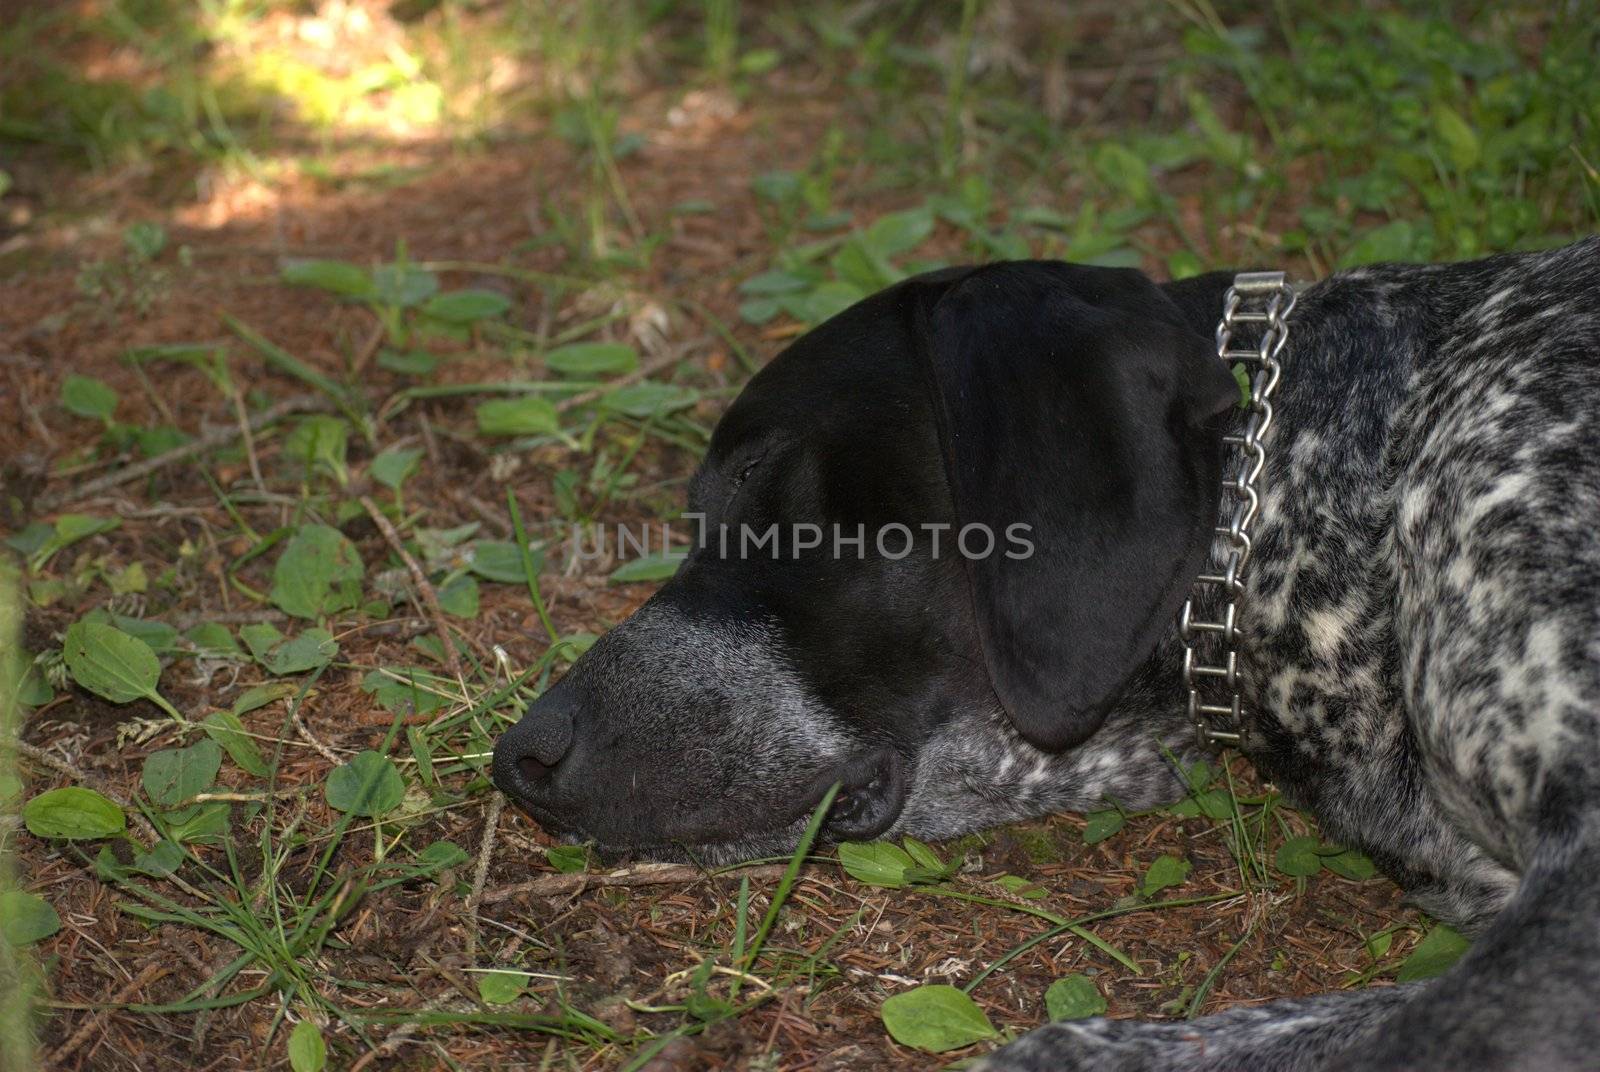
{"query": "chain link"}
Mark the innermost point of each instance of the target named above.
(1211, 662)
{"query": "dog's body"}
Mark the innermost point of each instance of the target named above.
(1422, 620)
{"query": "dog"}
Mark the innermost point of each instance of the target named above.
(1421, 631)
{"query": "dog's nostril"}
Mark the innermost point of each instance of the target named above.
(532, 769)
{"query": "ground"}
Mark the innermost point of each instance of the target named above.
(402, 226)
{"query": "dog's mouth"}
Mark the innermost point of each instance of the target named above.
(873, 788)
(872, 792)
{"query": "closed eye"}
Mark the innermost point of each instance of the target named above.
(749, 468)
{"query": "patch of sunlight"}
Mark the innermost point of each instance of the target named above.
(388, 95)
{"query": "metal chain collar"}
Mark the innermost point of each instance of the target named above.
(1211, 670)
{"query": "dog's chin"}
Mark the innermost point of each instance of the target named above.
(873, 789)
(735, 850)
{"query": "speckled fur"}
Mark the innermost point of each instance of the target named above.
(1424, 615)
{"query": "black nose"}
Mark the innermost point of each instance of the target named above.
(531, 749)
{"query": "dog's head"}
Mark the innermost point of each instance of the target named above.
(940, 534)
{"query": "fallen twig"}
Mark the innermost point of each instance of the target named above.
(217, 437)
(151, 973)
(642, 875)
(430, 598)
(659, 363)
(403, 1031)
(310, 738)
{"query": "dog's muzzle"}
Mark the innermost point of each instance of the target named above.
(548, 768)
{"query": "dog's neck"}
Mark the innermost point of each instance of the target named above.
(1358, 342)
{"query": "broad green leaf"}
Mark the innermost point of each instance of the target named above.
(403, 284)
(567, 859)
(107, 868)
(936, 1018)
(1122, 170)
(258, 696)
(1213, 804)
(526, 416)
(29, 688)
(501, 987)
(74, 527)
(877, 863)
(588, 359)
(1183, 264)
(776, 186)
(438, 545)
(402, 697)
(214, 640)
(85, 396)
(1165, 872)
(1396, 240)
(207, 821)
(283, 656)
(319, 573)
(771, 283)
(1437, 951)
(440, 855)
(860, 267)
(573, 645)
(415, 693)
(205, 356)
(1298, 857)
(73, 813)
(1018, 886)
(1100, 825)
(1074, 998)
(338, 277)
(321, 441)
(307, 1050)
(110, 663)
(159, 637)
(26, 917)
(647, 568)
(225, 728)
(368, 785)
(409, 362)
(649, 398)
(460, 596)
(31, 538)
(129, 580)
(466, 306)
(69, 529)
(898, 232)
(500, 560)
(758, 311)
(923, 854)
(394, 466)
(172, 775)
(160, 861)
(1350, 864)
(1460, 140)
(823, 303)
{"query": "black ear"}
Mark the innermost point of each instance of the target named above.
(1077, 402)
